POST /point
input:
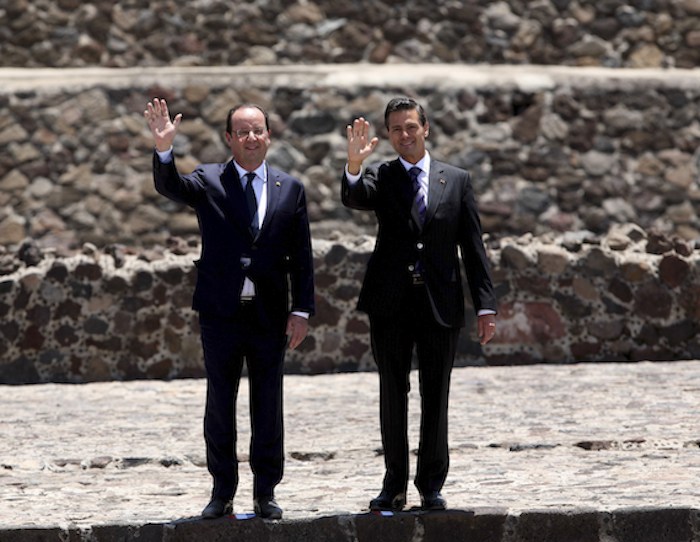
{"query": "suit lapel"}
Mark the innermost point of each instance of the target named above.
(404, 190)
(436, 189)
(274, 187)
(437, 182)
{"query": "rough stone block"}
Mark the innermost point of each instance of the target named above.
(463, 526)
(397, 528)
(653, 525)
(33, 535)
(553, 526)
(218, 530)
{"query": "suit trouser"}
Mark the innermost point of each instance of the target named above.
(226, 342)
(392, 345)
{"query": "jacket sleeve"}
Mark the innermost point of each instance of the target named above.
(301, 261)
(474, 257)
(361, 194)
(184, 189)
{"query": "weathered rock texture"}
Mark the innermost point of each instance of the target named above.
(613, 33)
(96, 316)
(586, 176)
(550, 149)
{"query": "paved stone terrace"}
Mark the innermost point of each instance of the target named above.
(543, 447)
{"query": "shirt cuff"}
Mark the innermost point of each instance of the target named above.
(352, 179)
(484, 312)
(301, 313)
(165, 156)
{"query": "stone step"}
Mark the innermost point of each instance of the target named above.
(626, 525)
(525, 77)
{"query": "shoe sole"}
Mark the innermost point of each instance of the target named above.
(226, 512)
(273, 515)
(376, 508)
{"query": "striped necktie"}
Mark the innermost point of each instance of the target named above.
(414, 172)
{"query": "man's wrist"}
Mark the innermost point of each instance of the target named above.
(354, 168)
(352, 177)
(165, 156)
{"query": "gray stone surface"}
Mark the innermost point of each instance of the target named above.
(550, 148)
(538, 445)
(613, 33)
(106, 315)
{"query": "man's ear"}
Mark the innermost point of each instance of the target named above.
(426, 128)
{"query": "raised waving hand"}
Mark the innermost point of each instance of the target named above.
(158, 119)
(360, 146)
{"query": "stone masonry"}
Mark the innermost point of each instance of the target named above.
(578, 121)
(550, 149)
(610, 33)
(586, 175)
(95, 316)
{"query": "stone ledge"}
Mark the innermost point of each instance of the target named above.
(623, 525)
(528, 78)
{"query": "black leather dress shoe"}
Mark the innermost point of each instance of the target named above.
(433, 501)
(216, 508)
(267, 508)
(387, 502)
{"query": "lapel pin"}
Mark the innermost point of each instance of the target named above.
(278, 183)
(442, 181)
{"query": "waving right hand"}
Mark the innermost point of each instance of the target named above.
(360, 146)
(162, 128)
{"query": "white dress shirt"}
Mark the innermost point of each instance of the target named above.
(260, 189)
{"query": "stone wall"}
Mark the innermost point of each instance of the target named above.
(126, 33)
(578, 121)
(624, 296)
(550, 149)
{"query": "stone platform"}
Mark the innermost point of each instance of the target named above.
(589, 452)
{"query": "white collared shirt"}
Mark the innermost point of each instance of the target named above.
(424, 165)
(260, 189)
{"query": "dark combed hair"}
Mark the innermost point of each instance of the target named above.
(241, 106)
(404, 104)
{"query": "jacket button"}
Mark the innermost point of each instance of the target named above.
(419, 246)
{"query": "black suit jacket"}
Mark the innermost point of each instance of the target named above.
(280, 255)
(451, 221)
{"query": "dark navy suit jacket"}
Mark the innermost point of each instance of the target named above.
(451, 222)
(281, 260)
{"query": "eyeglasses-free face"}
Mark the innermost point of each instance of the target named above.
(407, 134)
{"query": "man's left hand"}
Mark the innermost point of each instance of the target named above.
(486, 324)
(297, 328)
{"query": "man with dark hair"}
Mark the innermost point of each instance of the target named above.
(256, 250)
(412, 289)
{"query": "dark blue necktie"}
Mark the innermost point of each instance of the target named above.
(252, 203)
(414, 172)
